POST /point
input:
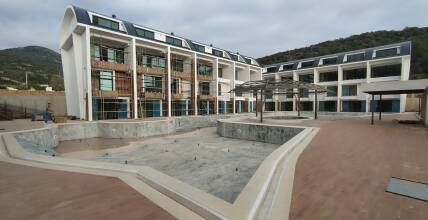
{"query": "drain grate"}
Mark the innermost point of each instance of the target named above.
(408, 188)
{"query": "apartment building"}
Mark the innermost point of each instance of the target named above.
(116, 69)
(343, 74)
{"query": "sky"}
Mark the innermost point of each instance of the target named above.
(253, 28)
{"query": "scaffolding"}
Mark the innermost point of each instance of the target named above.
(279, 87)
(111, 80)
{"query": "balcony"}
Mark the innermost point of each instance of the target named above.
(206, 97)
(150, 64)
(100, 64)
(153, 95)
(182, 74)
(176, 96)
(102, 93)
(108, 58)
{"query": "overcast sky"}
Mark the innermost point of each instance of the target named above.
(254, 28)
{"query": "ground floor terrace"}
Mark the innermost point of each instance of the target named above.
(341, 174)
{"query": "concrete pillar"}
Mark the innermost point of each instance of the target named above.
(368, 79)
(233, 86)
(216, 85)
(133, 59)
(88, 73)
(316, 80)
(168, 65)
(195, 84)
(339, 87)
(295, 78)
(405, 73)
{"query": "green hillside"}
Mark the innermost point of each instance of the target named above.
(42, 64)
(418, 36)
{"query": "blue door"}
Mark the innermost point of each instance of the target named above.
(157, 109)
(123, 109)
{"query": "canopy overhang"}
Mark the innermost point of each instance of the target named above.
(395, 87)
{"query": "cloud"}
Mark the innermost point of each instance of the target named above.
(254, 28)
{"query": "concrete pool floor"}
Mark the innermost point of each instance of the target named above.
(219, 166)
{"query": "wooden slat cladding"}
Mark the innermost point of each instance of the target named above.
(178, 74)
(153, 95)
(205, 77)
(123, 84)
(150, 70)
(97, 64)
(206, 97)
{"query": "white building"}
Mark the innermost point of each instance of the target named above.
(117, 69)
(343, 74)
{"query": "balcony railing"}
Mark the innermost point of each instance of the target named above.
(206, 97)
(150, 64)
(153, 95)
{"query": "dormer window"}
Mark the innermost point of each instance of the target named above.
(103, 22)
(287, 67)
(307, 64)
(387, 52)
(200, 48)
(355, 57)
(329, 61)
(271, 69)
(174, 41)
(145, 33)
(217, 53)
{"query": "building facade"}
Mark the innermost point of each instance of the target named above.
(343, 74)
(116, 69)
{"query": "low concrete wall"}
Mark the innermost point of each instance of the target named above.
(44, 139)
(273, 134)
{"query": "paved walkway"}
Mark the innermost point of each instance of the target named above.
(344, 171)
(34, 193)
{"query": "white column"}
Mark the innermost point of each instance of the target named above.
(316, 80)
(168, 57)
(295, 78)
(368, 79)
(133, 53)
(216, 84)
(88, 73)
(339, 86)
(233, 86)
(405, 73)
(195, 75)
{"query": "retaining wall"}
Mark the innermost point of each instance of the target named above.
(43, 139)
(273, 134)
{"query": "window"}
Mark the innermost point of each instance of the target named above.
(177, 65)
(306, 106)
(328, 106)
(103, 53)
(174, 41)
(271, 69)
(349, 90)
(145, 33)
(329, 61)
(200, 48)
(307, 64)
(331, 91)
(153, 84)
(247, 60)
(204, 69)
(106, 81)
(287, 67)
(220, 72)
(219, 89)
(355, 57)
(353, 106)
(103, 22)
(234, 57)
(151, 61)
(204, 88)
(218, 53)
(386, 52)
(304, 93)
(328, 76)
(354, 74)
(286, 106)
(309, 78)
(175, 86)
(386, 71)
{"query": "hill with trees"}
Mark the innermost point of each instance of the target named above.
(43, 66)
